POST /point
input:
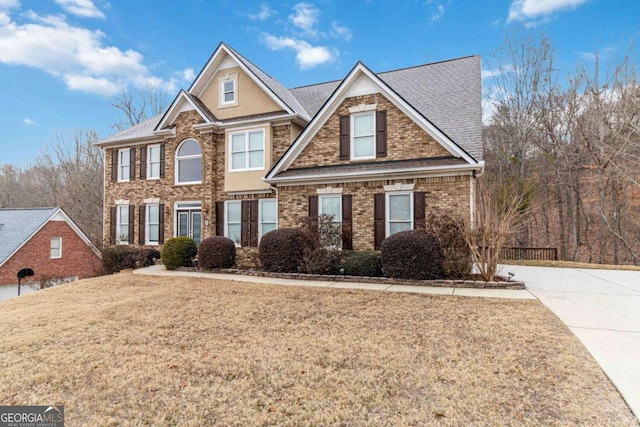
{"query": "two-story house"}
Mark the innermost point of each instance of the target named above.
(239, 155)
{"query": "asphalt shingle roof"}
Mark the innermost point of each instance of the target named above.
(18, 225)
(446, 93)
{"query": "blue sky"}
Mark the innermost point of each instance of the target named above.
(62, 61)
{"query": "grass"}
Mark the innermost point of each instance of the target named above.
(570, 264)
(143, 350)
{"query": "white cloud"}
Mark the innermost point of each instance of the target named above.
(76, 55)
(305, 18)
(83, 8)
(27, 121)
(263, 14)
(341, 32)
(437, 14)
(307, 56)
(522, 10)
(9, 4)
(188, 75)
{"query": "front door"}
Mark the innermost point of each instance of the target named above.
(190, 224)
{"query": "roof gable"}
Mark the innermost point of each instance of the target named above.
(183, 102)
(361, 81)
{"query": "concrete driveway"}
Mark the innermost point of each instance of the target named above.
(602, 308)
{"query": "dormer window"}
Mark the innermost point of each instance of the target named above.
(229, 91)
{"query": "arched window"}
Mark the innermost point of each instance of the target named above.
(189, 162)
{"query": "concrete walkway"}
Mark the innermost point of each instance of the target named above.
(602, 308)
(159, 270)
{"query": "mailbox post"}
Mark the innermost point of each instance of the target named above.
(25, 272)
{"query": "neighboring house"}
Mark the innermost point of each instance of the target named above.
(47, 241)
(239, 155)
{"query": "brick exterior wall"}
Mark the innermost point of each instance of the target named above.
(442, 194)
(77, 258)
(405, 139)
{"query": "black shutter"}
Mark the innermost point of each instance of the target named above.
(345, 137)
(143, 162)
(141, 224)
(347, 222)
(161, 221)
(114, 165)
(253, 223)
(419, 210)
(219, 218)
(378, 219)
(132, 164)
(313, 211)
(113, 214)
(132, 221)
(381, 133)
(161, 160)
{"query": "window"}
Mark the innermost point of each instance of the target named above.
(363, 140)
(399, 212)
(55, 249)
(247, 150)
(330, 232)
(124, 164)
(233, 221)
(228, 91)
(153, 161)
(268, 216)
(122, 226)
(189, 163)
(152, 225)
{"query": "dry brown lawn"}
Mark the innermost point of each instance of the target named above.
(142, 350)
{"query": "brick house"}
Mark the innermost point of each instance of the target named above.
(238, 154)
(47, 241)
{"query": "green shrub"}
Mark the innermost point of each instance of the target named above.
(456, 256)
(217, 252)
(361, 263)
(178, 252)
(412, 254)
(283, 250)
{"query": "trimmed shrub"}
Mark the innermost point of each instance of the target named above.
(178, 252)
(217, 252)
(320, 260)
(456, 256)
(283, 250)
(361, 263)
(116, 258)
(147, 257)
(411, 254)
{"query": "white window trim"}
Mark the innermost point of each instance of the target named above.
(121, 165)
(246, 151)
(260, 202)
(352, 136)
(387, 221)
(321, 197)
(149, 161)
(226, 220)
(193, 156)
(118, 223)
(147, 208)
(59, 248)
(222, 80)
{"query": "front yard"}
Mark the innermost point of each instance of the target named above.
(131, 350)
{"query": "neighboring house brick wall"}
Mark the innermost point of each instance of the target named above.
(405, 139)
(77, 258)
(442, 194)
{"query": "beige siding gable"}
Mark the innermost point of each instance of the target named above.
(250, 98)
(405, 139)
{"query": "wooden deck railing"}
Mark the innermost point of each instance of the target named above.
(538, 254)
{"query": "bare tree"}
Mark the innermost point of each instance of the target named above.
(148, 103)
